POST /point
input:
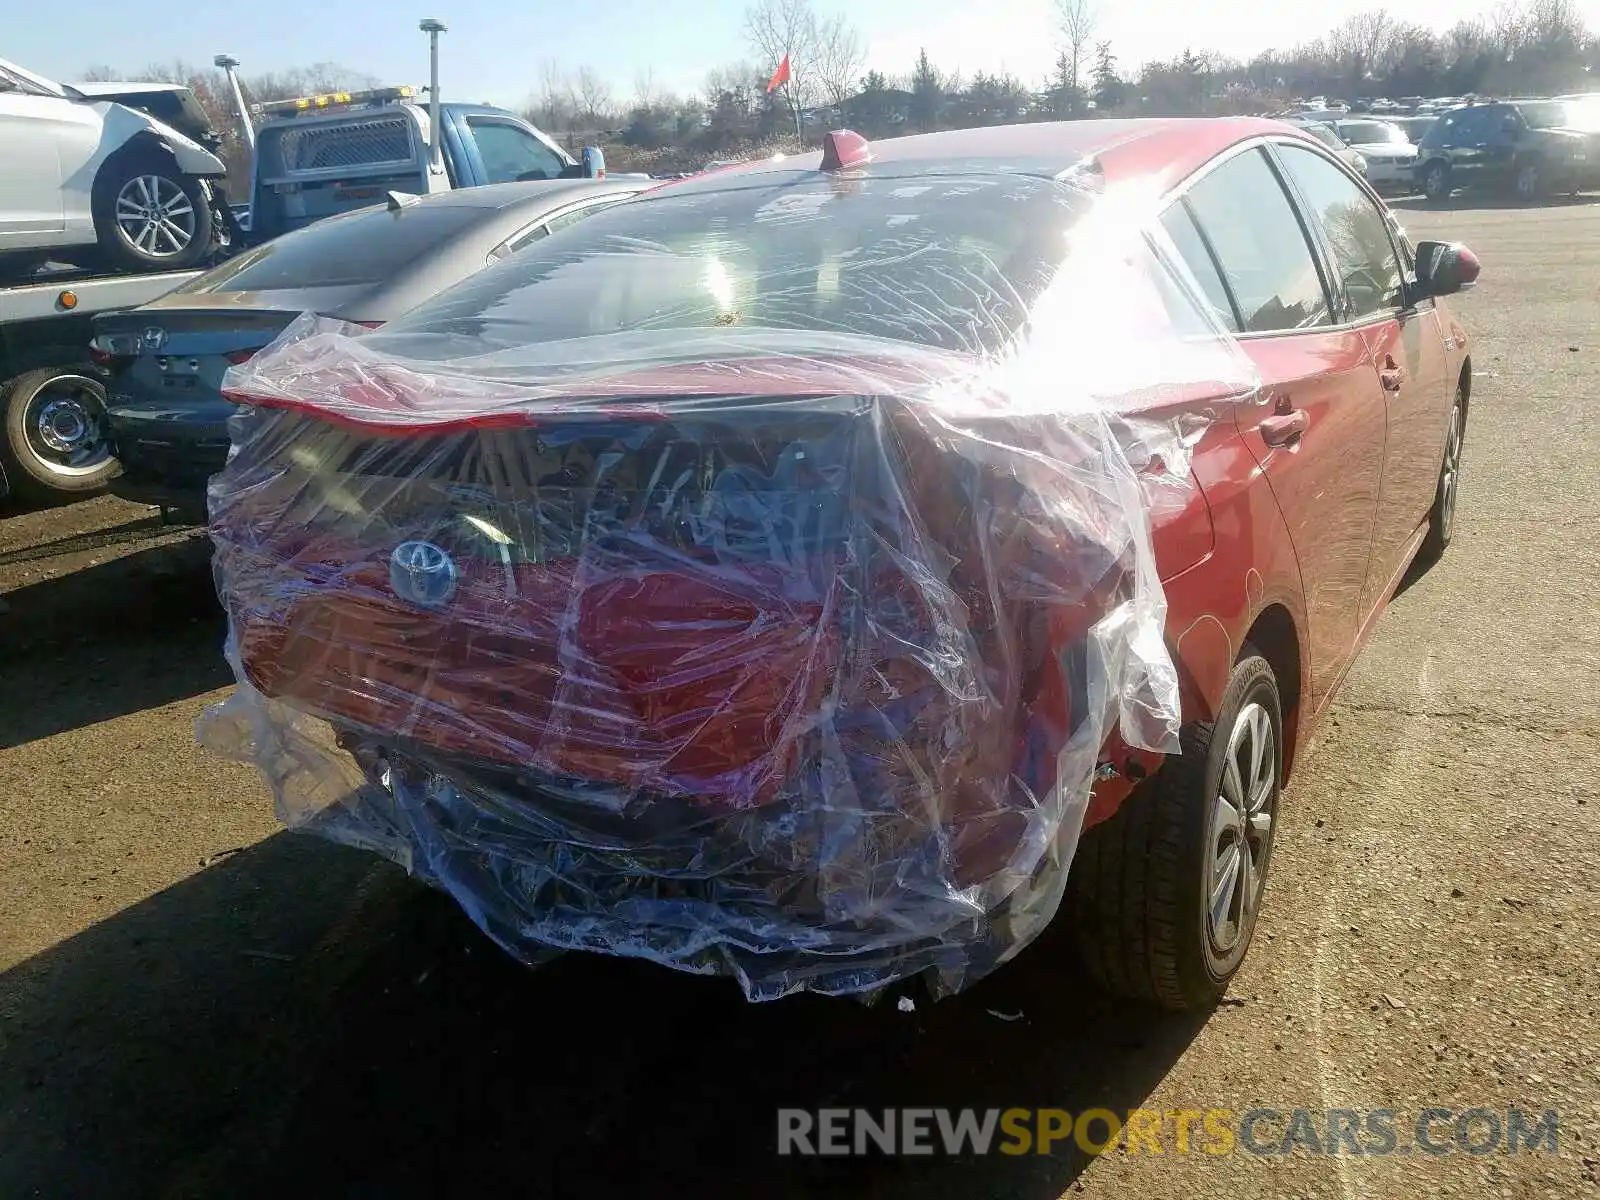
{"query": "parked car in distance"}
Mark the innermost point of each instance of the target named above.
(1414, 127)
(1530, 148)
(166, 418)
(88, 179)
(1388, 153)
(1305, 512)
(1325, 133)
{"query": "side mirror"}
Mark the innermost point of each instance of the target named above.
(1444, 268)
(594, 163)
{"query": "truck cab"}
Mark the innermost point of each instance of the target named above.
(321, 155)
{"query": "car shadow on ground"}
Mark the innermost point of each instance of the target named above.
(303, 1019)
(139, 631)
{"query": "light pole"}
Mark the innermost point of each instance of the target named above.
(229, 65)
(433, 29)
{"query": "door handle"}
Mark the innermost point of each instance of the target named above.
(1391, 375)
(1284, 428)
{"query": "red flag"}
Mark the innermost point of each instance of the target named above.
(779, 77)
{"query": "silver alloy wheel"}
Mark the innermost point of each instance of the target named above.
(1434, 183)
(1239, 836)
(155, 217)
(63, 425)
(1450, 474)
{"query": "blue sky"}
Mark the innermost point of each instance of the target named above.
(493, 49)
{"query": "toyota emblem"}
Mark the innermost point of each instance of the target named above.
(154, 337)
(422, 574)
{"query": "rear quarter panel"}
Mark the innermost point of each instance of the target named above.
(1212, 604)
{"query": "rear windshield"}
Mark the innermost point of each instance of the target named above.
(949, 261)
(361, 248)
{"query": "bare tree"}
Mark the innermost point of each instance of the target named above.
(595, 103)
(779, 29)
(841, 56)
(647, 92)
(1079, 20)
(551, 106)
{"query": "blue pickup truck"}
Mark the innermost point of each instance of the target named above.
(321, 155)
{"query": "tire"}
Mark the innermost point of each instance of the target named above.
(1436, 182)
(54, 442)
(1441, 517)
(1140, 880)
(1528, 182)
(130, 189)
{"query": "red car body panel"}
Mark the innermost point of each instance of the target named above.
(1318, 529)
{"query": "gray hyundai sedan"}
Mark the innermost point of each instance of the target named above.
(166, 418)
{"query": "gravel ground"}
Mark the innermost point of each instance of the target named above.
(192, 1002)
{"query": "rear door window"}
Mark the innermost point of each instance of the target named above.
(1260, 246)
(1364, 259)
(511, 154)
(1196, 255)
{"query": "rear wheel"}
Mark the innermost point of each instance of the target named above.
(1165, 893)
(1442, 516)
(54, 435)
(1529, 182)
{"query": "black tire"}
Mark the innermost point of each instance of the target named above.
(54, 438)
(1139, 882)
(1528, 182)
(1441, 517)
(148, 175)
(1436, 182)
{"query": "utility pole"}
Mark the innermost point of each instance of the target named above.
(433, 29)
(229, 65)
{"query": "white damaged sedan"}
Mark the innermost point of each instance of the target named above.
(91, 171)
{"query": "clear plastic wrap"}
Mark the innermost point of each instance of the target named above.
(726, 635)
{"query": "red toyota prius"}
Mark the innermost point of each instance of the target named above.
(824, 570)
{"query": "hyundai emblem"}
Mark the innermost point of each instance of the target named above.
(423, 574)
(154, 337)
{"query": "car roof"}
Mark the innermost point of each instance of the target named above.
(1163, 149)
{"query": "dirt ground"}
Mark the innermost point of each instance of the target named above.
(194, 1003)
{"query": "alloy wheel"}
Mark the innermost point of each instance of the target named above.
(1239, 836)
(155, 217)
(1450, 474)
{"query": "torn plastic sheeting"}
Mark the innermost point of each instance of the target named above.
(785, 653)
